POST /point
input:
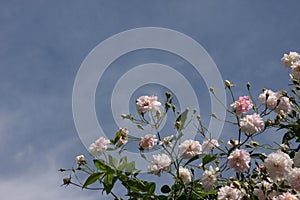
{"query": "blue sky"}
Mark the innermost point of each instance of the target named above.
(43, 44)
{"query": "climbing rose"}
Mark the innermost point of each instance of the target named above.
(294, 178)
(296, 70)
(146, 103)
(251, 123)
(99, 146)
(262, 190)
(209, 178)
(185, 174)
(242, 105)
(159, 163)
(286, 196)
(239, 160)
(278, 165)
(275, 101)
(289, 59)
(229, 193)
(189, 149)
(208, 145)
(147, 142)
(80, 160)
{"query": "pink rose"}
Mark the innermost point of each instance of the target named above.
(99, 146)
(147, 142)
(251, 123)
(189, 149)
(242, 105)
(146, 103)
(239, 160)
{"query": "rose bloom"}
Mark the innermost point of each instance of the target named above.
(123, 136)
(272, 101)
(251, 123)
(239, 160)
(185, 174)
(229, 193)
(209, 179)
(294, 178)
(297, 159)
(189, 149)
(296, 70)
(269, 98)
(289, 59)
(80, 160)
(286, 196)
(284, 105)
(208, 145)
(99, 146)
(159, 163)
(278, 165)
(262, 190)
(147, 142)
(242, 105)
(146, 103)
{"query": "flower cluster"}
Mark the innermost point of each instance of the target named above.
(204, 167)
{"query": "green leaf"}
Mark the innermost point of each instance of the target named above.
(165, 189)
(130, 167)
(102, 166)
(181, 119)
(109, 182)
(151, 187)
(208, 158)
(192, 159)
(113, 161)
(92, 179)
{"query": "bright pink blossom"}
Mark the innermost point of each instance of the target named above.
(242, 105)
(239, 160)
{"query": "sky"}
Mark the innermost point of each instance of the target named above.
(44, 43)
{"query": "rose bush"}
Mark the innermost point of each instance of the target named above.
(239, 169)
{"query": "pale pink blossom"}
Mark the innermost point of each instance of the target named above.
(293, 178)
(263, 190)
(209, 178)
(296, 159)
(80, 160)
(146, 103)
(289, 59)
(269, 98)
(275, 101)
(251, 123)
(284, 105)
(286, 196)
(167, 141)
(230, 193)
(185, 174)
(208, 145)
(123, 139)
(278, 165)
(147, 142)
(242, 105)
(296, 70)
(189, 149)
(239, 160)
(99, 146)
(159, 163)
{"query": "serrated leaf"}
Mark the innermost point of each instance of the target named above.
(92, 179)
(102, 166)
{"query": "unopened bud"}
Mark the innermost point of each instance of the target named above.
(66, 181)
(211, 89)
(227, 83)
